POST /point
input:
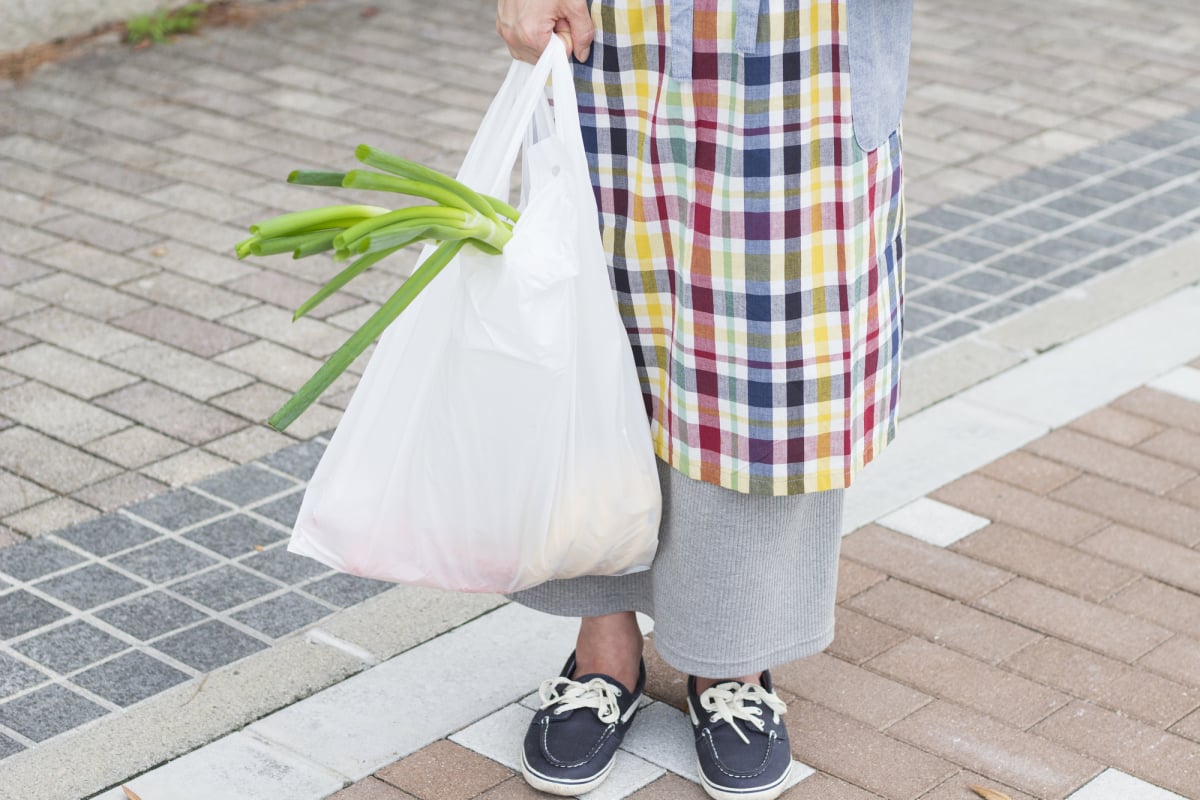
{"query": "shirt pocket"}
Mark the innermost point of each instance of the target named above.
(880, 36)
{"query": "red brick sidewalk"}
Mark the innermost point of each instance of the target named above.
(1060, 640)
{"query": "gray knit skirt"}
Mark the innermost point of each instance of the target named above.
(741, 583)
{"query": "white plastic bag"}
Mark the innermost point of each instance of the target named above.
(498, 438)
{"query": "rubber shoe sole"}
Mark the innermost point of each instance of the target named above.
(765, 793)
(549, 785)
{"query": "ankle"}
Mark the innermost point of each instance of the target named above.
(610, 645)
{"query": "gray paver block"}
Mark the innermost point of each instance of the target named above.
(947, 219)
(16, 676)
(209, 645)
(1063, 250)
(70, 647)
(985, 204)
(235, 536)
(106, 535)
(9, 746)
(150, 615)
(299, 460)
(89, 586)
(1041, 220)
(245, 484)
(931, 265)
(952, 330)
(224, 587)
(282, 615)
(1076, 205)
(281, 565)
(1024, 264)
(178, 509)
(1031, 296)
(33, 559)
(21, 612)
(1003, 234)
(47, 712)
(965, 249)
(344, 590)
(164, 561)
(130, 678)
(283, 510)
(946, 299)
(1109, 192)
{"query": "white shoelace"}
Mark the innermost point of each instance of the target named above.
(596, 693)
(727, 702)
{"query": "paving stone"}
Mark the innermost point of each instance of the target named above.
(344, 590)
(11, 340)
(854, 577)
(171, 413)
(106, 535)
(149, 616)
(673, 787)
(58, 414)
(1047, 562)
(116, 176)
(185, 373)
(81, 296)
(178, 509)
(282, 615)
(74, 332)
(197, 336)
(277, 365)
(1162, 758)
(1001, 502)
(1161, 407)
(1074, 620)
(15, 305)
(129, 678)
(69, 647)
(987, 282)
(235, 536)
(1109, 460)
(281, 565)
(192, 262)
(224, 587)
(187, 467)
(283, 510)
(1024, 264)
(1164, 605)
(941, 672)
(65, 370)
(371, 789)
(16, 676)
(111, 236)
(50, 516)
(445, 770)
(209, 645)
(947, 300)
(48, 462)
(249, 443)
(120, 491)
(943, 621)
(1177, 658)
(1166, 518)
(922, 564)
(860, 755)
(1032, 295)
(21, 612)
(1116, 426)
(163, 560)
(1028, 762)
(16, 493)
(88, 586)
(33, 559)
(299, 460)
(47, 712)
(289, 292)
(1106, 681)
(858, 637)
(1029, 472)
(22, 240)
(188, 295)
(848, 689)
(1173, 444)
(246, 484)
(135, 447)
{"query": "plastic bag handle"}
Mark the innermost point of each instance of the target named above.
(511, 112)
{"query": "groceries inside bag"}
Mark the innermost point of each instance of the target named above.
(498, 437)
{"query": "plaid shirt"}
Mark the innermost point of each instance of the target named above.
(756, 249)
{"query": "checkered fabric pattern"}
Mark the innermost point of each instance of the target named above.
(756, 250)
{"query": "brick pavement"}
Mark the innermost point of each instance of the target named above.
(1049, 653)
(136, 355)
(138, 360)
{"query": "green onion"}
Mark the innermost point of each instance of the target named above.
(458, 217)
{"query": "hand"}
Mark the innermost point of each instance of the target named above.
(526, 26)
